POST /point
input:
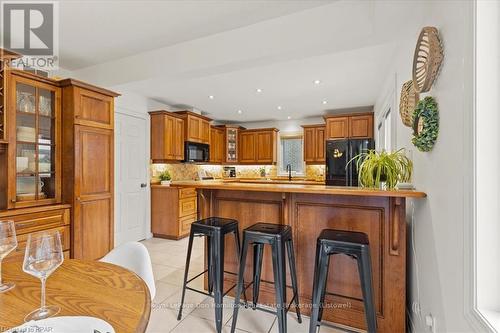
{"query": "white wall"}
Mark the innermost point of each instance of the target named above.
(436, 276)
(285, 126)
(488, 158)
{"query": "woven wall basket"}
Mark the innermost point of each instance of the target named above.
(427, 59)
(408, 102)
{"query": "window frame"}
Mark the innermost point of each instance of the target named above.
(280, 167)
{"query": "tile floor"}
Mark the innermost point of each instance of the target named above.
(168, 259)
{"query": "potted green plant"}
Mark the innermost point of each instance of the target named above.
(165, 178)
(262, 171)
(383, 169)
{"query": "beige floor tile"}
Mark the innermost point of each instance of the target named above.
(162, 320)
(176, 277)
(164, 290)
(206, 309)
(191, 301)
(254, 321)
(198, 325)
(161, 271)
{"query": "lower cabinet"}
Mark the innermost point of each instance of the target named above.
(173, 209)
(31, 220)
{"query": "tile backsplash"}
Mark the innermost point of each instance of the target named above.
(186, 171)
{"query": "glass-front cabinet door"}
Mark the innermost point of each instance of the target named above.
(36, 138)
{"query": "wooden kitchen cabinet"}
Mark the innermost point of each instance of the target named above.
(216, 145)
(258, 146)
(314, 144)
(173, 220)
(231, 143)
(167, 137)
(196, 127)
(88, 167)
(337, 128)
(247, 149)
(361, 126)
(34, 136)
(38, 219)
(358, 126)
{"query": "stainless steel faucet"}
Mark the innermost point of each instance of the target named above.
(289, 170)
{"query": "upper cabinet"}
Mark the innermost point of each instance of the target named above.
(361, 126)
(314, 144)
(167, 137)
(231, 143)
(349, 126)
(216, 145)
(34, 136)
(337, 128)
(258, 146)
(196, 127)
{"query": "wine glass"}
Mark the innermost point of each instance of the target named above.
(43, 256)
(8, 242)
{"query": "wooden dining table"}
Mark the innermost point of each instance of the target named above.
(79, 288)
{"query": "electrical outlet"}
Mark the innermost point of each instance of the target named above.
(430, 322)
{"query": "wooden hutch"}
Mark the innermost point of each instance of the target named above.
(57, 161)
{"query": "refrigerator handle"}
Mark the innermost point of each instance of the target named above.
(349, 167)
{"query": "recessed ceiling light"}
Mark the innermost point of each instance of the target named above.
(211, 96)
(317, 81)
(279, 107)
(259, 90)
(240, 112)
(289, 117)
(324, 102)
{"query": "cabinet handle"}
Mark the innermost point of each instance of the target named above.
(143, 185)
(78, 199)
(13, 200)
(25, 224)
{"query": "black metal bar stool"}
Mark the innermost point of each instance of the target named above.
(215, 229)
(353, 244)
(279, 237)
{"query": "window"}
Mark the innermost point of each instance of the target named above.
(291, 152)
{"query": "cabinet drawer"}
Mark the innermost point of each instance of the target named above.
(18, 253)
(185, 224)
(187, 206)
(32, 222)
(187, 192)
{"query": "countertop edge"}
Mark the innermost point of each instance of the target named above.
(294, 188)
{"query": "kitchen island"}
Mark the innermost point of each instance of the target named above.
(308, 209)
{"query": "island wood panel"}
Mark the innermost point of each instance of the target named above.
(248, 209)
(369, 215)
(381, 218)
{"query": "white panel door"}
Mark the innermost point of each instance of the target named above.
(130, 178)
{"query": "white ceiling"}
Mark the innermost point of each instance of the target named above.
(93, 32)
(180, 52)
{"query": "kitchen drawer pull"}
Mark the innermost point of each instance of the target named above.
(25, 224)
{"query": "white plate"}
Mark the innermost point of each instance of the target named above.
(66, 324)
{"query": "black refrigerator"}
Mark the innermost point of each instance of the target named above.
(338, 154)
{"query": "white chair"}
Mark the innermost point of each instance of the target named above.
(135, 257)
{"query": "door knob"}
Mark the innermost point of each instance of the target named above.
(143, 185)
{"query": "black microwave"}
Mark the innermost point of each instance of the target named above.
(196, 152)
